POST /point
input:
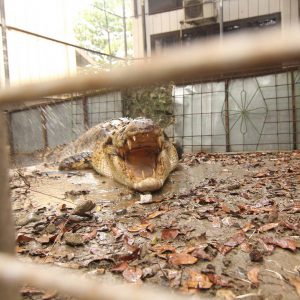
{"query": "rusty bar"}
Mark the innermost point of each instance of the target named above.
(4, 44)
(294, 115)
(67, 282)
(44, 128)
(7, 233)
(85, 112)
(227, 126)
(194, 62)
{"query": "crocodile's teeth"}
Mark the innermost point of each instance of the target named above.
(159, 140)
(129, 143)
(134, 138)
(143, 174)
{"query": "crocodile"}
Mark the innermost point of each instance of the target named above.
(134, 152)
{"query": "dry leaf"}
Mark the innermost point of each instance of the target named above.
(295, 281)
(283, 243)
(267, 227)
(253, 275)
(163, 249)
(156, 214)
(133, 274)
(90, 236)
(225, 294)
(199, 280)
(119, 268)
(169, 234)
(137, 228)
(177, 259)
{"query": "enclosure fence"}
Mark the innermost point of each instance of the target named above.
(212, 58)
(258, 113)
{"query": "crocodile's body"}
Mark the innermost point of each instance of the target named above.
(135, 153)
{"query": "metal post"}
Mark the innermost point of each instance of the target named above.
(294, 114)
(44, 127)
(85, 113)
(108, 35)
(144, 28)
(7, 232)
(124, 30)
(4, 44)
(227, 125)
(221, 19)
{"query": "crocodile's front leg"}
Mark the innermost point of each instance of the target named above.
(78, 161)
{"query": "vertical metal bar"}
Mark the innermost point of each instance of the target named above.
(4, 44)
(85, 112)
(10, 135)
(227, 125)
(44, 127)
(221, 19)
(294, 115)
(125, 30)
(7, 232)
(108, 34)
(144, 28)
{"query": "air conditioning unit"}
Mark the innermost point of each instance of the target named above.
(199, 11)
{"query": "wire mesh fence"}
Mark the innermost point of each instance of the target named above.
(249, 114)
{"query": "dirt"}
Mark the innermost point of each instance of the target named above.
(224, 226)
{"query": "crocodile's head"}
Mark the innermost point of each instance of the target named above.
(137, 154)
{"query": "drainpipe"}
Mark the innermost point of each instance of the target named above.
(144, 27)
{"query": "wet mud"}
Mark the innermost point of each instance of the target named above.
(222, 227)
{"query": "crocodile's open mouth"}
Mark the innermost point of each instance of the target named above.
(140, 153)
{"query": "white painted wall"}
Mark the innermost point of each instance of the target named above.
(32, 58)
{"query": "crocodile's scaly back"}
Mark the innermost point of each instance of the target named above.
(133, 152)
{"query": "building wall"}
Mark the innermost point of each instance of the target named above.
(32, 58)
(232, 10)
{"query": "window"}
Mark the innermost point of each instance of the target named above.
(158, 6)
(159, 42)
(255, 23)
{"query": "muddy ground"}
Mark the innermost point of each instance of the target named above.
(222, 227)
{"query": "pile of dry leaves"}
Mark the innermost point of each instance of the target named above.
(230, 236)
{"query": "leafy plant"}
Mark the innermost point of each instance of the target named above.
(151, 102)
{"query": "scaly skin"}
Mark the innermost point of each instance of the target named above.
(134, 152)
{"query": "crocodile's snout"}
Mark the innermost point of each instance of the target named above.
(148, 185)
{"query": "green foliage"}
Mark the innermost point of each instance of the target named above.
(101, 28)
(153, 102)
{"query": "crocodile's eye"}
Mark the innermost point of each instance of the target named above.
(108, 141)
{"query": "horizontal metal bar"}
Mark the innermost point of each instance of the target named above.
(197, 61)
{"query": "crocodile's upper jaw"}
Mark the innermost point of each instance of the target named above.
(142, 159)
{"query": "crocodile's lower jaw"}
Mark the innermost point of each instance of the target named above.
(148, 185)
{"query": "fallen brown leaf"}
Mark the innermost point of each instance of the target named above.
(253, 275)
(267, 227)
(89, 236)
(169, 234)
(156, 214)
(137, 228)
(295, 281)
(133, 274)
(282, 243)
(22, 239)
(178, 259)
(198, 280)
(119, 268)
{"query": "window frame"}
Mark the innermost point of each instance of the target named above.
(179, 5)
